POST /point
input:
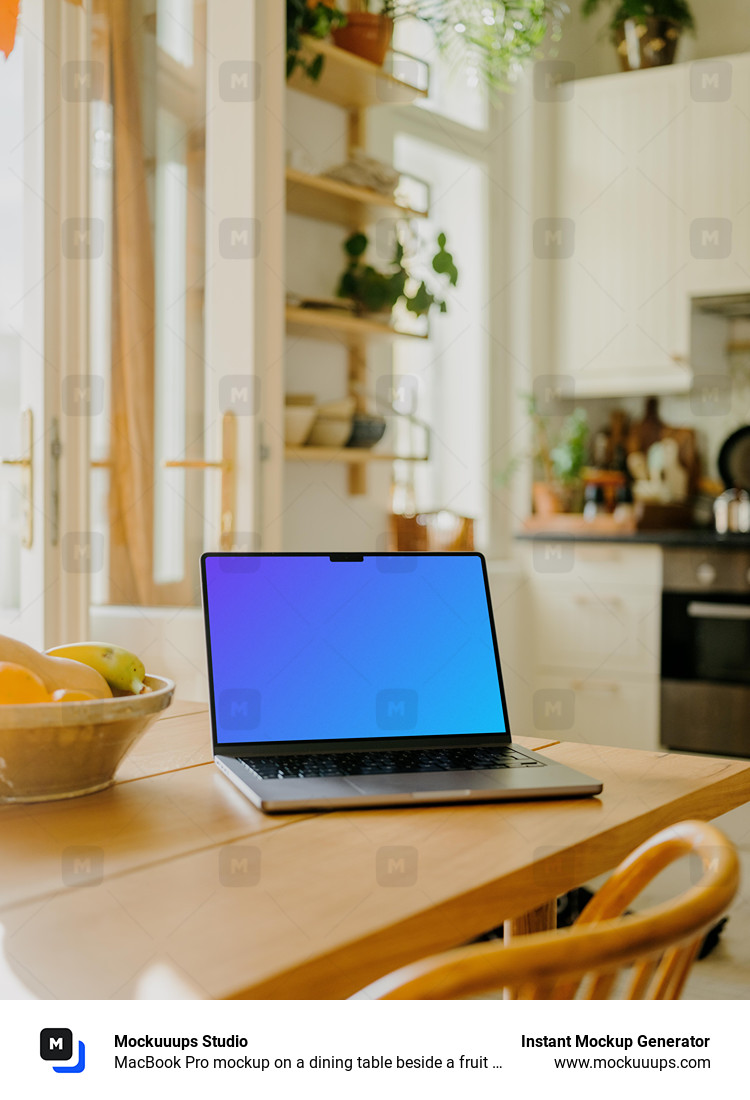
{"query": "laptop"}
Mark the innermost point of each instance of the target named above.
(354, 680)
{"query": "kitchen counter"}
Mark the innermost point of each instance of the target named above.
(697, 537)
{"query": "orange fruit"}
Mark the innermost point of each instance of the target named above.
(71, 695)
(20, 685)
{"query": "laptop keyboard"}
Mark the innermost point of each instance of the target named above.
(376, 762)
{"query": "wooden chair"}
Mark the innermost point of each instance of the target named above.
(604, 954)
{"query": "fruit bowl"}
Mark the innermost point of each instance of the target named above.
(62, 750)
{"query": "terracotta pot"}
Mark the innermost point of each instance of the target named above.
(548, 499)
(646, 43)
(368, 34)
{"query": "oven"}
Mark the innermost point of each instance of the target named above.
(705, 651)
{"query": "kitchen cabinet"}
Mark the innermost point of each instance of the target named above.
(717, 172)
(620, 307)
(598, 710)
(646, 207)
(592, 627)
(595, 613)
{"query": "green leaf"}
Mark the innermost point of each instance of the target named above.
(356, 244)
(315, 68)
(373, 291)
(347, 287)
(397, 285)
(442, 262)
(421, 301)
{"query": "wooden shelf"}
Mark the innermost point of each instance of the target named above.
(333, 201)
(350, 81)
(349, 455)
(326, 324)
(353, 83)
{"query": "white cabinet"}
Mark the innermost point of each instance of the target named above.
(600, 629)
(647, 206)
(620, 309)
(596, 626)
(597, 710)
(718, 175)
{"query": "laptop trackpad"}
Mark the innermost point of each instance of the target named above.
(419, 782)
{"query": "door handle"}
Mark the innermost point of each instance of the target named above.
(26, 463)
(700, 610)
(228, 466)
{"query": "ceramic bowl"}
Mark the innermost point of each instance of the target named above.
(298, 420)
(300, 399)
(330, 431)
(342, 408)
(62, 750)
(367, 430)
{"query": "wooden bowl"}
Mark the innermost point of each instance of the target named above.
(62, 750)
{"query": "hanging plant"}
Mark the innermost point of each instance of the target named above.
(489, 40)
(9, 22)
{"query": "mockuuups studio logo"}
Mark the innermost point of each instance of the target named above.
(396, 865)
(554, 708)
(396, 709)
(553, 557)
(239, 709)
(56, 1045)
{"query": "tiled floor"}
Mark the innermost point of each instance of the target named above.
(725, 973)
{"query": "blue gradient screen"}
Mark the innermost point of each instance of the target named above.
(306, 648)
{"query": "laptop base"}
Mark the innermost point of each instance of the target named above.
(292, 795)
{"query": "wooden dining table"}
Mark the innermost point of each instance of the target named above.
(172, 884)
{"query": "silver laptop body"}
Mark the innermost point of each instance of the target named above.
(361, 680)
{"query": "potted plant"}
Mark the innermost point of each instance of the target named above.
(645, 33)
(374, 291)
(311, 18)
(368, 30)
(558, 459)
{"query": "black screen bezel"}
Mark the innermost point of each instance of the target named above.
(265, 748)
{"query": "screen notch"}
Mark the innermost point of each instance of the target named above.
(346, 557)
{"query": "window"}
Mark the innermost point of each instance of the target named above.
(13, 210)
(451, 369)
(454, 93)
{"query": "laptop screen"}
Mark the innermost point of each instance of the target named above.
(313, 647)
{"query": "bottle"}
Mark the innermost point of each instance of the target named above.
(595, 504)
(624, 506)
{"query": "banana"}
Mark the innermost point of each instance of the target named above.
(54, 671)
(122, 670)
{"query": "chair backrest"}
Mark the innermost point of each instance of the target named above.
(605, 953)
